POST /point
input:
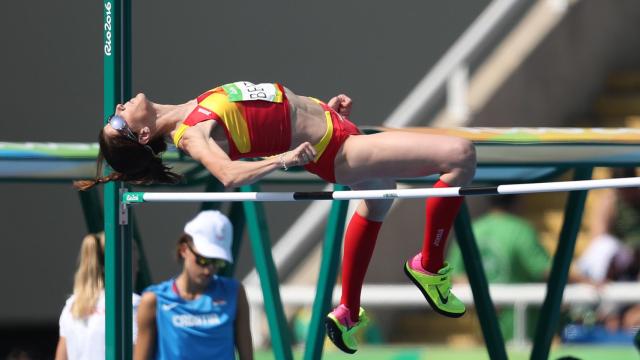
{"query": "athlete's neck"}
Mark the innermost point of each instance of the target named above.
(189, 290)
(169, 117)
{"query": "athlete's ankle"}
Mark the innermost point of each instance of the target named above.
(416, 264)
(345, 315)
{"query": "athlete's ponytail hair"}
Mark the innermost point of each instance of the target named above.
(131, 161)
(89, 279)
(184, 239)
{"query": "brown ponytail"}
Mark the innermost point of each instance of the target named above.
(184, 239)
(131, 161)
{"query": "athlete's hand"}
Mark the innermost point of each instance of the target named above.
(301, 155)
(341, 104)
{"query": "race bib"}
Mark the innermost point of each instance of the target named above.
(246, 91)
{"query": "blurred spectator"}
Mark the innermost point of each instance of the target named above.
(198, 314)
(613, 253)
(82, 322)
(614, 228)
(510, 252)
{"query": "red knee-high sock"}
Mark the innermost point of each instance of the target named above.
(359, 241)
(440, 213)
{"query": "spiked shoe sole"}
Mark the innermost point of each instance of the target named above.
(335, 335)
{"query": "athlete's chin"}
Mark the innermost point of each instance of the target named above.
(204, 279)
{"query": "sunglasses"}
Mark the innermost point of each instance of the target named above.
(205, 261)
(118, 124)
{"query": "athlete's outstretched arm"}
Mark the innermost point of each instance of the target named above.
(244, 343)
(147, 332)
(603, 214)
(236, 173)
(61, 349)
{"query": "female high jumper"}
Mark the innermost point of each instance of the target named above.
(268, 121)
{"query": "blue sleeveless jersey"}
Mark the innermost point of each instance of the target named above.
(196, 329)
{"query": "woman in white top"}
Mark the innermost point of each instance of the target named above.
(82, 322)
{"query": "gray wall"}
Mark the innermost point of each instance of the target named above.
(559, 82)
(51, 83)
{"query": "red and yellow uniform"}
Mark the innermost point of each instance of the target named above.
(257, 122)
(339, 129)
(253, 128)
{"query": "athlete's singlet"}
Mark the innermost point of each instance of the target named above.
(196, 329)
(256, 118)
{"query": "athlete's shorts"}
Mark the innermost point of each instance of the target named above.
(339, 129)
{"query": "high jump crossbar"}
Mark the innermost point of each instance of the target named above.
(559, 186)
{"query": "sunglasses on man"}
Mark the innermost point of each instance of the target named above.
(205, 261)
(118, 124)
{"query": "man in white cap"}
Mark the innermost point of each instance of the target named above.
(197, 314)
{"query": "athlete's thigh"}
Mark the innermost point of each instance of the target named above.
(396, 154)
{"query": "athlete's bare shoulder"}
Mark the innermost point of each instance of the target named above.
(288, 92)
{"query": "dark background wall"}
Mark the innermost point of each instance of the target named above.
(51, 84)
(561, 80)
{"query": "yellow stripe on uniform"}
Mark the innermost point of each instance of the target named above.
(278, 98)
(232, 117)
(179, 133)
(321, 146)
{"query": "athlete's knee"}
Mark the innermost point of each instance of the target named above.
(463, 154)
(375, 210)
(462, 162)
(467, 152)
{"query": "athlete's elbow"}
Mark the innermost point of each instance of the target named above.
(223, 173)
(228, 181)
(237, 182)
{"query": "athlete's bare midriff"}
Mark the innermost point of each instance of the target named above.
(308, 121)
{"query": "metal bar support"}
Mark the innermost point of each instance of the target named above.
(261, 244)
(479, 285)
(548, 323)
(117, 84)
(327, 276)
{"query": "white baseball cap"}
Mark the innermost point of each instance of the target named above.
(212, 234)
